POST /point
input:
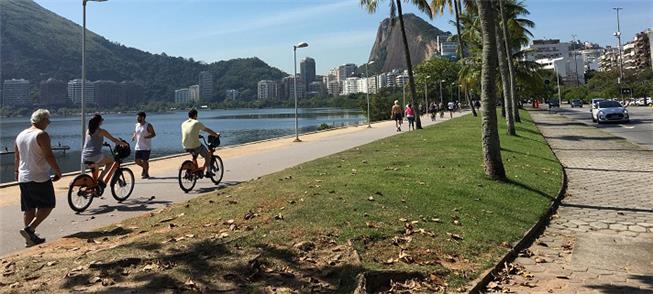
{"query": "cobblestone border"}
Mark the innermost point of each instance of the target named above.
(527, 240)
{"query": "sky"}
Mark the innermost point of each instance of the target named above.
(337, 31)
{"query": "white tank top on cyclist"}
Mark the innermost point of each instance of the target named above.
(32, 166)
(142, 143)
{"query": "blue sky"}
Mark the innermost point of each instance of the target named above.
(338, 31)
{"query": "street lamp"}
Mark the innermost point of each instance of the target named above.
(555, 69)
(367, 73)
(441, 99)
(83, 99)
(621, 58)
(294, 80)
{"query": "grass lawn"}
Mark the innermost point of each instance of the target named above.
(416, 202)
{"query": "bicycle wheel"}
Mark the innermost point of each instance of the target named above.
(186, 177)
(217, 168)
(81, 192)
(122, 184)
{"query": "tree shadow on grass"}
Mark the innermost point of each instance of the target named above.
(526, 187)
(214, 266)
(617, 288)
(528, 154)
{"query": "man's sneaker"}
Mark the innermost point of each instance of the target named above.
(31, 238)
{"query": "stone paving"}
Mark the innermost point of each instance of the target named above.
(601, 239)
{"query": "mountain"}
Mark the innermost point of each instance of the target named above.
(388, 49)
(37, 44)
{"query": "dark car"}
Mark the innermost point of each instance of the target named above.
(576, 103)
(554, 103)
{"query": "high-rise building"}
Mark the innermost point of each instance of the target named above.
(206, 86)
(346, 70)
(231, 94)
(637, 54)
(288, 87)
(591, 57)
(107, 93)
(316, 89)
(131, 92)
(267, 89)
(16, 92)
(53, 92)
(334, 88)
(194, 93)
(609, 59)
(546, 49)
(307, 70)
(350, 86)
(75, 92)
(182, 96)
(447, 49)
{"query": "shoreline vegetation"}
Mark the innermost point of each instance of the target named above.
(416, 203)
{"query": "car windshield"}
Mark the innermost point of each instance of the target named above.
(609, 104)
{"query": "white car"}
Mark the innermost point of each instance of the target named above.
(607, 111)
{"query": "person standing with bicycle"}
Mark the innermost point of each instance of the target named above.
(92, 151)
(190, 139)
(37, 198)
(143, 134)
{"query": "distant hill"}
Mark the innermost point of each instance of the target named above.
(388, 49)
(37, 44)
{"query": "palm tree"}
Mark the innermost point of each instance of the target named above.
(439, 5)
(506, 81)
(396, 10)
(490, 134)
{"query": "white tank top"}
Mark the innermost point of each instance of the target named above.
(32, 166)
(142, 143)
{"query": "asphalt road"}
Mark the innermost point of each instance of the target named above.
(242, 163)
(639, 130)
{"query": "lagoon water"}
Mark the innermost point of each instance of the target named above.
(235, 125)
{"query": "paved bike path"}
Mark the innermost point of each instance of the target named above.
(242, 163)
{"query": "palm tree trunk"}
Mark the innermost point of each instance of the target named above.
(511, 70)
(461, 52)
(409, 65)
(505, 83)
(490, 134)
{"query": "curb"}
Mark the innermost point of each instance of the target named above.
(530, 235)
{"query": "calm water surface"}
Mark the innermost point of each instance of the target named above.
(236, 126)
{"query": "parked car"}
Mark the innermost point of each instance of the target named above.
(609, 111)
(554, 103)
(576, 103)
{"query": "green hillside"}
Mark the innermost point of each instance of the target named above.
(37, 44)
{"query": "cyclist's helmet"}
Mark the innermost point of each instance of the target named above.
(214, 141)
(122, 152)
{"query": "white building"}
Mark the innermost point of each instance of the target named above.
(547, 49)
(446, 48)
(350, 86)
(566, 68)
(361, 85)
(194, 93)
(182, 96)
(345, 71)
(591, 58)
(75, 92)
(334, 88)
(267, 89)
(16, 92)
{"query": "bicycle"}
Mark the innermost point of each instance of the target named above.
(190, 172)
(84, 188)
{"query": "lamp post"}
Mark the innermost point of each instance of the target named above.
(555, 69)
(83, 98)
(621, 58)
(294, 80)
(575, 62)
(367, 83)
(441, 98)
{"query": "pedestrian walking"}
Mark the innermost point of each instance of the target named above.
(397, 115)
(477, 104)
(143, 134)
(32, 152)
(433, 109)
(450, 106)
(410, 115)
(441, 109)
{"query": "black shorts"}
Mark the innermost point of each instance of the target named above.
(142, 155)
(398, 116)
(36, 195)
(411, 119)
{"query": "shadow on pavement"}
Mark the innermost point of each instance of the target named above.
(582, 138)
(611, 288)
(607, 207)
(127, 206)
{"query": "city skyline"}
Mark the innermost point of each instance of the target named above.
(337, 32)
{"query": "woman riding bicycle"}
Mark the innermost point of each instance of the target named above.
(92, 151)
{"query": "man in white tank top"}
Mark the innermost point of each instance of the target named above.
(37, 197)
(143, 134)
